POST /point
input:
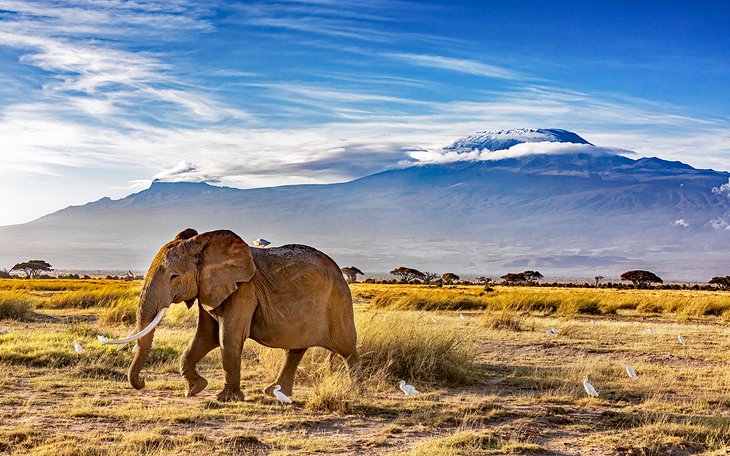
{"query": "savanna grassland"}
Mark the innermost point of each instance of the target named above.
(492, 380)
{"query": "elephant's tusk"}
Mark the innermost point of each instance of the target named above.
(121, 347)
(139, 335)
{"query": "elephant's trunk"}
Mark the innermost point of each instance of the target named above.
(145, 345)
(147, 318)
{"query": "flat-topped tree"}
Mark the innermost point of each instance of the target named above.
(641, 278)
(532, 276)
(721, 282)
(449, 277)
(428, 277)
(407, 274)
(32, 268)
(514, 277)
(351, 272)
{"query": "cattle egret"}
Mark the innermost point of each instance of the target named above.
(550, 332)
(433, 319)
(630, 370)
(78, 347)
(593, 322)
(650, 331)
(682, 340)
(462, 316)
(4, 331)
(409, 390)
(281, 396)
(589, 388)
(261, 243)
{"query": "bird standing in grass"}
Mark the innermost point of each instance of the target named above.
(283, 398)
(78, 347)
(407, 389)
(4, 331)
(589, 388)
(630, 370)
(650, 331)
(682, 340)
(550, 332)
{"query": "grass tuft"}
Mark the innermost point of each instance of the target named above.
(418, 350)
(15, 306)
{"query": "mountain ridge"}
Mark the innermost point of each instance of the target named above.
(569, 212)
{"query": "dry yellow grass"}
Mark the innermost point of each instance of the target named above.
(526, 396)
(546, 300)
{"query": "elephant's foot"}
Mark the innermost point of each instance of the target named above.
(230, 394)
(195, 385)
(286, 389)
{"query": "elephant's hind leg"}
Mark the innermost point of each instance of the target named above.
(287, 372)
(205, 340)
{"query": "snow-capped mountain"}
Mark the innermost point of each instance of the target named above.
(568, 214)
(504, 139)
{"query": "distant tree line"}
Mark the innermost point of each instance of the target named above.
(639, 279)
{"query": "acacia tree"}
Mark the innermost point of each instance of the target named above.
(721, 282)
(407, 274)
(532, 276)
(641, 278)
(32, 268)
(428, 276)
(598, 280)
(484, 280)
(449, 277)
(351, 273)
(514, 277)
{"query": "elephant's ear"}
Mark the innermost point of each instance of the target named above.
(225, 261)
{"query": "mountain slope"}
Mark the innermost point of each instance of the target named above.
(571, 214)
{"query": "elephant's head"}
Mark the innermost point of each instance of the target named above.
(206, 266)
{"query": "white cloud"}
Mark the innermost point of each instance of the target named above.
(724, 189)
(681, 222)
(518, 150)
(720, 224)
(458, 65)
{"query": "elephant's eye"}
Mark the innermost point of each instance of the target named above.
(174, 276)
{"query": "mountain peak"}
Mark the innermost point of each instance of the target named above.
(504, 139)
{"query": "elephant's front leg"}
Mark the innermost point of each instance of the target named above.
(205, 340)
(235, 323)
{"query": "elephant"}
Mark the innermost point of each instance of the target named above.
(291, 297)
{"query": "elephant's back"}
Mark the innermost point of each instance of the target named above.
(307, 299)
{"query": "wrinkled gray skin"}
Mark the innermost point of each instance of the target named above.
(291, 297)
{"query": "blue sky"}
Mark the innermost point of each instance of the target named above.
(99, 98)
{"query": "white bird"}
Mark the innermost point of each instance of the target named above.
(593, 322)
(261, 242)
(283, 398)
(650, 331)
(682, 340)
(630, 370)
(550, 332)
(433, 319)
(589, 388)
(554, 330)
(462, 316)
(78, 347)
(4, 331)
(409, 390)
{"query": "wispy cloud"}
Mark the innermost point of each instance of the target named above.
(458, 65)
